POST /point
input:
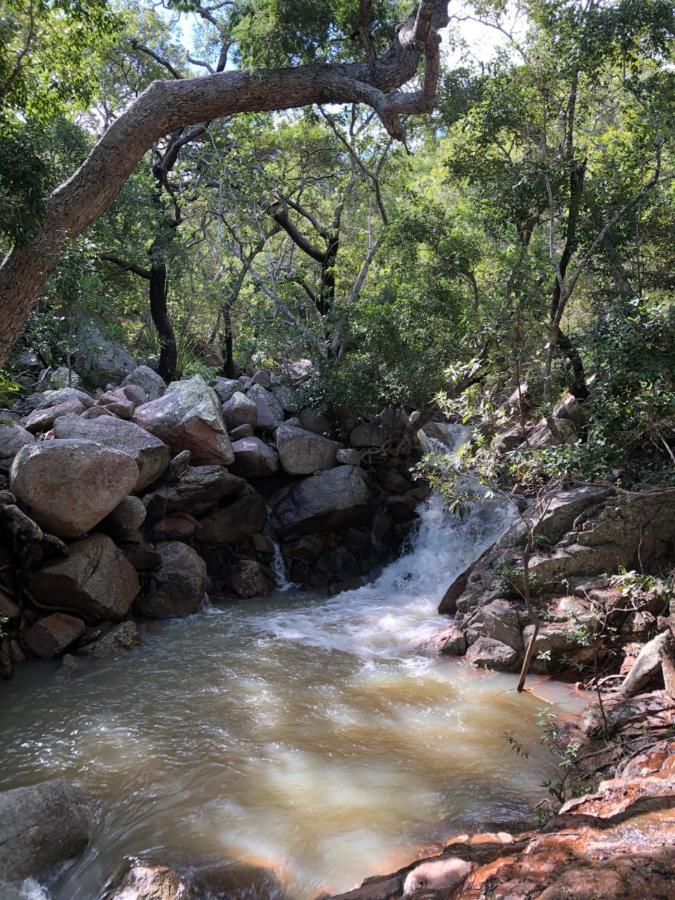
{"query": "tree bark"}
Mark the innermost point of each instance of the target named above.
(169, 105)
(168, 354)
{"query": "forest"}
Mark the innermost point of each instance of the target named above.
(337, 448)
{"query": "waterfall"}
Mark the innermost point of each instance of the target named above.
(393, 615)
(280, 573)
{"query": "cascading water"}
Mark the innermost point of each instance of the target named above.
(305, 734)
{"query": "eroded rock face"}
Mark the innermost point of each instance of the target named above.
(328, 500)
(188, 417)
(95, 580)
(177, 588)
(41, 827)
(303, 452)
(69, 486)
(150, 454)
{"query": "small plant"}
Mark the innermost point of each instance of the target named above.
(8, 388)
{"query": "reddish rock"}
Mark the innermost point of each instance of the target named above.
(49, 637)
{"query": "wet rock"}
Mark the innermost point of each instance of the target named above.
(41, 420)
(244, 517)
(270, 413)
(437, 875)
(41, 827)
(151, 882)
(51, 636)
(188, 417)
(240, 410)
(646, 666)
(152, 384)
(303, 452)
(95, 580)
(253, 458)
(69, 486)
(487, 653)
(12, 438)
(450, 642)
(125, 522)
(250, 578)
(177, 588)
(326, 501)
(498, 620)
(124, 636)
(197, 491)
(144, 558)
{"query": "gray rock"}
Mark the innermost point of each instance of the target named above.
(101, 360)
(41, 827)
(347, 456)
(303, 452)
(452, 641)
(487, 653)
(65, 395)
(69, 486)
(124, 636)
(287, 398)
(563, 508)
(311, 420)
(226, 387)
(369, 434)
(328, 500)
(150, 382)
(124, 523)
(197, 491)
(243, 431)
(244, 517)
(41, 420)
(270, 413)
(12, 438)
(239, 410)
(177, 588)
(188, 417)
(149, 452)
(542, 435)
(253, 458)
(263, 378)
(646, 666)
(250, 578)
(498, 620)
(62, 378)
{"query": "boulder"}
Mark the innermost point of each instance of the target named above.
(151, 454)
(41, 420)
(95, 580)
(326, 501)
(151, 882)
(243, 431)
(152, 384)
(227, 387)
(436, 875)
(188, 417)
(451, 641)
(369, 434)
(253, 458)
(124, 523)
(117, 403)
(12, 438)
(178, 526)
(542, 434)
(646, 666)
(270, 413)
(562, 509)
(486, 653)
(263, 378)
(101, 360)
(62, 377)
(244, 517)
(287, 398)
(240, 410)
(69, 486)
(303, 452)
(124, 636)
(41, 827)
(134, 393)
(498, 620)
(249, 578)
(311, 420)
(65, 395)
(178, 586)
(347, 456)
(51, 636)
(198, 490)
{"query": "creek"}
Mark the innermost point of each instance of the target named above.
(309, 734)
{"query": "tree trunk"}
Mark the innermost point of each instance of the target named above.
(168, 105)
(168, 354)
(229, 367)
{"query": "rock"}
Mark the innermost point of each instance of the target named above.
(62, 377)
(249, 578)
(66, 395)
(244, 517)
(542, 435)
(564, 507)
(270, 413)
(125, 522)
(347, 456)
(12, 438)
(646, 666)
(199, 490)
(143, 557)
(253, 458)
(188, 417)
(263, 378)
(41, 827)
(568, 407)
(151, 882)
(369, 434)
(41, 420)
(486, 653)
(117, 404)
(95, 580)
(326, 501)
(179, 526)
(240, 410)
(134, 393)
(508, 440)
(286, 397)
(261, 544)
(498, 620)
(437, 875)
(69, 486)
(53, 634)
(95, 412)
(303, 452)
(122, 637)
(654, 710)
(152, 384)
(178, 586)
(8, 608)
(451, 641)
(101, 360)
(311, 420)
(150, 453)
(227, 387)
(243, 431)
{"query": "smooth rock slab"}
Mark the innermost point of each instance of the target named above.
(96, 580)
(69, 486)
(41, 826)
(178, 586)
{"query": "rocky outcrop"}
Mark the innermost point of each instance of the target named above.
(177, 588)
(188, 417)
(69, 486)
(328, 500)
(151, 454)
(41, 827)
(95, 580)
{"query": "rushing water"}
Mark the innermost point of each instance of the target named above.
(307, 734)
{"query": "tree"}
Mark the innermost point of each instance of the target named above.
(167, 106)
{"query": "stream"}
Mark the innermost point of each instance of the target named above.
(308, 734)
